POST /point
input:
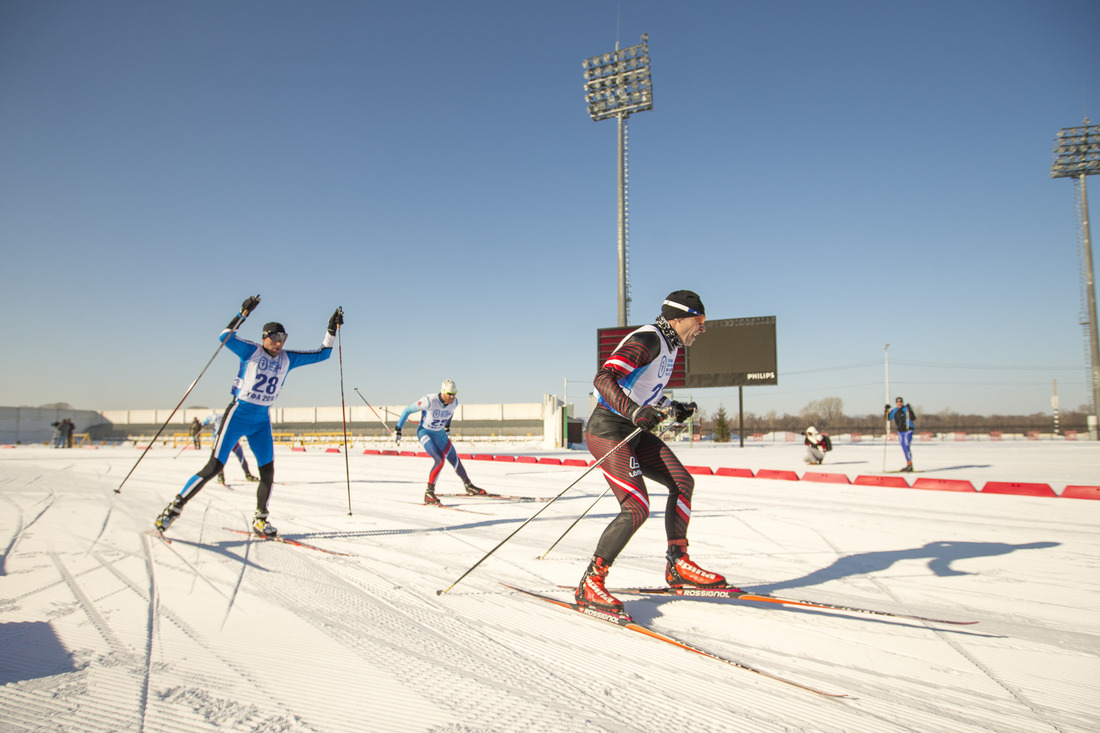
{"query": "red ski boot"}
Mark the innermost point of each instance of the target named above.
(593, 592)
(681, 571)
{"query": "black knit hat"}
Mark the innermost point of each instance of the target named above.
(682, 304)
(273, 327)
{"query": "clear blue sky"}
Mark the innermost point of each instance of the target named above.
(867, 172)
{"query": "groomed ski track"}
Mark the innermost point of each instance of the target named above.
(105, 628)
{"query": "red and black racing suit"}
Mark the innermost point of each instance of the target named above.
(647, 456)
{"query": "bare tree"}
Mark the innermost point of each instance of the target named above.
(827, 412)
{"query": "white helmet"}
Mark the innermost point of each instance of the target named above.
(448, 387)
(811, 430)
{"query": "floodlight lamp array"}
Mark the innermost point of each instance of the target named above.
(1076, 152)
(618, 83)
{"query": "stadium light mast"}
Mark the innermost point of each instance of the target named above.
(616, 85)
(1077, 155)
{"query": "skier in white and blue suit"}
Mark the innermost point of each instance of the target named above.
(436, 413)
(260, 378)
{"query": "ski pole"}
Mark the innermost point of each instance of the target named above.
(585, 512)
(886, 434)
(624, 441)
(343, 409)
(387, 427)
(232, 331)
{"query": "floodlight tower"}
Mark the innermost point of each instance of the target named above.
(1077, 155)
(617, 85)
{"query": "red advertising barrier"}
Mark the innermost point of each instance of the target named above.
(1081, 492)
(1008, 487)
(550, 461)
(781, 475)
(895, 482)
(943, 484)
(736, 472)
(700, 470)
(826, 478)
(505, 459)
(526, 459)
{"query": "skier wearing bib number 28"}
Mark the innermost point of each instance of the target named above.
(261, 376)
(630, 385)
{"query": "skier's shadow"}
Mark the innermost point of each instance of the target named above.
(940, 555)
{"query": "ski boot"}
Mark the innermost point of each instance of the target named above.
(250, 477)
(169, 515)
(430, 497)
(474, 490)
(221, 479)
(262, 527)
(681, 571)
(908, 468)
(592, 590)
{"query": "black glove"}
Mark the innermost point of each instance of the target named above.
(336, 321)
(886, 411)
(250, 305)
(397, 435)
(447, 428)
(682, 410)
(647, 417)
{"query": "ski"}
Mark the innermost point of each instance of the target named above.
(158, 533)
(286, 541)
(451, 508)
(625, 621)
(498, 496)
(736, 594)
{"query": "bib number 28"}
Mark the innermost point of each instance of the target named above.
(265, 384)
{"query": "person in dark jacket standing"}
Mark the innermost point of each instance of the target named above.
(905, 420)
(196, 432)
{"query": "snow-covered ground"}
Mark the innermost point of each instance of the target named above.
(105, 628)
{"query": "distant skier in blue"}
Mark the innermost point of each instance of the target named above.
(905, 420)
(261, 376)
(436, 413)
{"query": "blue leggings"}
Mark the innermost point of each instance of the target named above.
(905, 437)
(438, 445)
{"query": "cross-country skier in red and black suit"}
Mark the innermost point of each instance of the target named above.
(631, 385)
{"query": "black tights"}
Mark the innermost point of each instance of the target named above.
(213, 467)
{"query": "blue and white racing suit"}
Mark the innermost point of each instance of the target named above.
(259, 380)
(435, 418)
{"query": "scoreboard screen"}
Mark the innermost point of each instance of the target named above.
(733, 352)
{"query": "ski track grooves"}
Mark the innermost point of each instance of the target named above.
(379, 624)
(152, 620)
(277, 719)
(20, 529)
